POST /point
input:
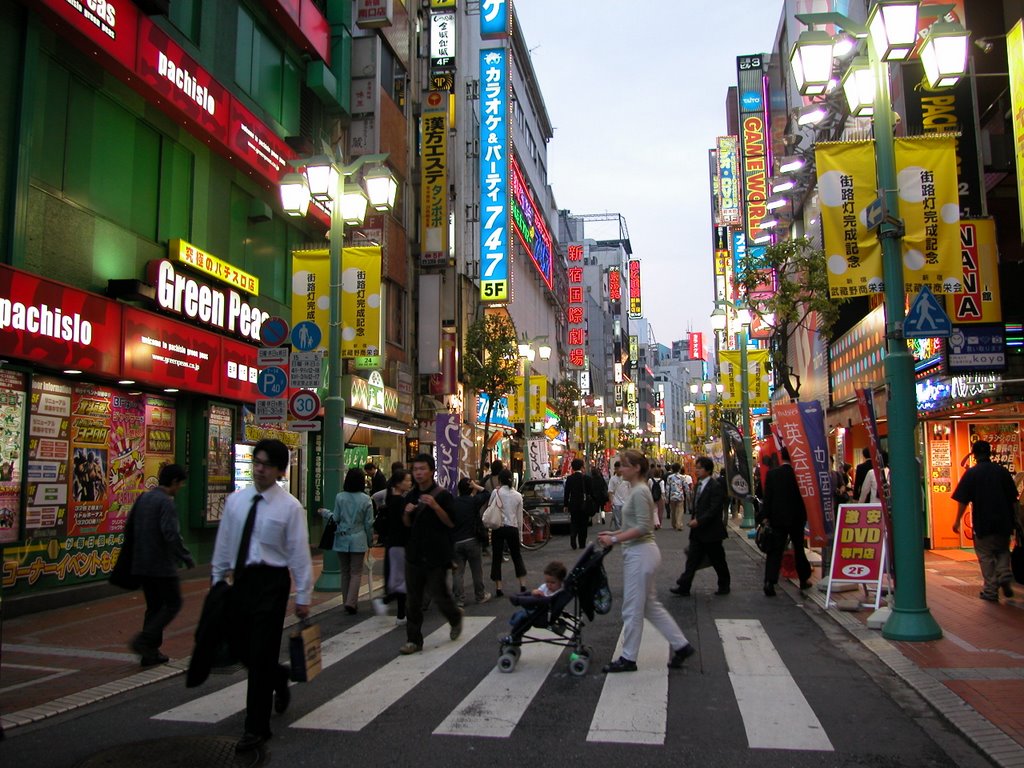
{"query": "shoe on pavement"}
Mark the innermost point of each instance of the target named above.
(498, 593)
(484, 599)
(722, 591)
(410, 648)
(1007, 588)
(282, 698)
(679, 591)
(251, 741)
(991, 598)
(679, 655)
(805, 585)
(769, 590)
(456, 628)
(351, 610)
(379, 607)
(621, 664)
(401, 622)
(153, 658)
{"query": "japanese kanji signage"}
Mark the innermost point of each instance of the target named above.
(858, 553)
(633, 270)
(494, 172)
(434, 188)
(576, 313)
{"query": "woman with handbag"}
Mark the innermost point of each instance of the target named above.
(353, 514)
(509, 534)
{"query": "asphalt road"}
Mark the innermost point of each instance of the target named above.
(775, 683)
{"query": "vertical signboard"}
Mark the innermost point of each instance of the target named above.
(494, 171)
(979, 302)
(447, 429)
(442, 40)
(633, 270)
(728, 184)
(614, 284)
(495, 19)
(755, 155)
(528, 223)
(576, 312)
(434, 189)
(360, 303)
(1015, 60)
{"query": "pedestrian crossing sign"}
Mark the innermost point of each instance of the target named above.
(926, 319)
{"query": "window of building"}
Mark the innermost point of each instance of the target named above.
(262, 247)
(392, 77)
(265, 72)
(184, 14)
(394, 307)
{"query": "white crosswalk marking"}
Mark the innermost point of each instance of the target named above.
(634, 705)
(226, 702)
(775, 713)
(358, 706)
(482, 713)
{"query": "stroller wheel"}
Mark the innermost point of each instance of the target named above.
(578, 665)
(507, 661)
(515, 650)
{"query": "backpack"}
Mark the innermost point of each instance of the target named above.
(675, 488)
(655, 489)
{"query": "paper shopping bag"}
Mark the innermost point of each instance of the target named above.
(304, 651)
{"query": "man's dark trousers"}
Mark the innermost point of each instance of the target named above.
(257, 606)
(715, 553)
(578, 521)
(420, 581)
(163, 601)
(773, 558)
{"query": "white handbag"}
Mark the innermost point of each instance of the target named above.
(493, 516)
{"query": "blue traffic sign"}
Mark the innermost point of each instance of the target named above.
(306, 336)
(926, 318)
(272, 382)
(274, 331)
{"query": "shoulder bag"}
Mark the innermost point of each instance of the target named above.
(330, 528)
(763, 537)
(494, 513)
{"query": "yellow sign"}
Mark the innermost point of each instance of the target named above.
(979, 300)
(186, 253)
(360, 302)
(930, 208)
(1015, 59)
(435, 4)
(538, 400)
(846, 186)
(758, 377)
(434, 189)
(311, 272)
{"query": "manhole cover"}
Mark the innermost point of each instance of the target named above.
(179, 752)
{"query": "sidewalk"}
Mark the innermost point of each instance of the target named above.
(55, 661)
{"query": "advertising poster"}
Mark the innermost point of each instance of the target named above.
(48, 451)
(1004, 437)
(91, 412)
(737, 469)
(858, 553)
(12, 439)
(447, 435)
(801, 428)
(219, 452)
(126, 454)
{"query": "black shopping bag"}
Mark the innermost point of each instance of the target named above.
(304, 652)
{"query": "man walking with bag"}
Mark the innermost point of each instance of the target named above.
(262, 535)
(707, 532)
(989, 489)
(578, 500)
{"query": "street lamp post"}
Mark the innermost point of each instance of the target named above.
(324, 179)
(910, 618)
(528, 354)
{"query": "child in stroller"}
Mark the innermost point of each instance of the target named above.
(558, 606)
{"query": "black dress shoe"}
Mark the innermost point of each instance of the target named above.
(769, 590)
(251, 741)
(805, 585)
(282, 698)
(722, 591)
(152, 659)
(675, 661)
(621, 664)
(679, 591)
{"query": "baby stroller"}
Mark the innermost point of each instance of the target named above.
(584, 592)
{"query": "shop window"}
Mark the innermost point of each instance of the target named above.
(266, 73)
(262, 248)
(185, 14)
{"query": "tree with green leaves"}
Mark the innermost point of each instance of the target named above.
(565, 403)
(801, 292)
(491, 364)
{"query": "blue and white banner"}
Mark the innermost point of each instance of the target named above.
(448, 429)
(495, 145)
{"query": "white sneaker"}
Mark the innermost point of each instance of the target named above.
(484, 599)
(400, 622)
(378, 607)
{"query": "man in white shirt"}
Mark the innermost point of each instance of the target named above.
(262, 535)
(618, 490)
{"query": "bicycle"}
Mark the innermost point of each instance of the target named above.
(536, 530)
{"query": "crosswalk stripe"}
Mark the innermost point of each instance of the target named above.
(482, 713)
(228, 701)
(775, 713)
(357, 707)
(634, 705)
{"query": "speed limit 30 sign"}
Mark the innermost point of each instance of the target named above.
(304, 404)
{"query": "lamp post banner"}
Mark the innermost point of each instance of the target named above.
(447, 435)
(801, 428)
(737, 468)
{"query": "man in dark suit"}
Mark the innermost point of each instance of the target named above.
(707, 531)
(861, 472)
(784, 508)
(578, 500)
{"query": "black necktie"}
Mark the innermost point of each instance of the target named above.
(243, 545)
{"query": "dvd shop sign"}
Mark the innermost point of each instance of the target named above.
(224, 309)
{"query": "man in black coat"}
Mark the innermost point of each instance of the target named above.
(783, 506)
(578, 500)
(707, 531)
(861, 472)
(157, 549)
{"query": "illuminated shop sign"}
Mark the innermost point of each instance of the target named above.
(494, 173)
(728, 184)
(224, 310)
(109, 24)
(696, 346)
(576, 313)
(442, 40)
(434, 189)
(633, 270)
(374, 14)
(186, 253)
(756, 159)
(495, 19)
(529, 224)
(614, 284)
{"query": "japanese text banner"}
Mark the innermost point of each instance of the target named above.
(758, 378)
(360, 302)
(930, 208)
(311, 288)
(801, 427)
(846, 186)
